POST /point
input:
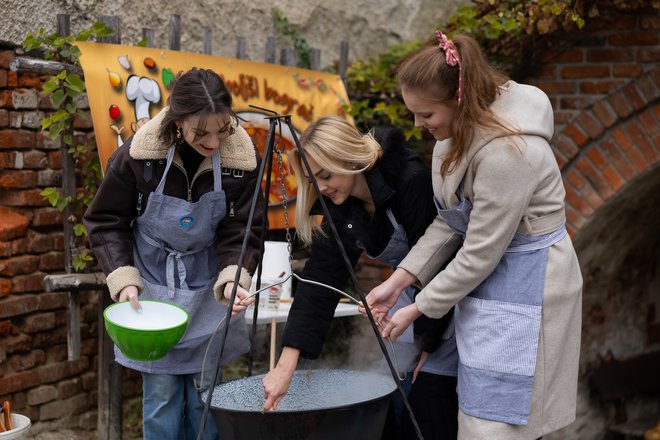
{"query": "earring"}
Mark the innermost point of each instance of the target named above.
(179, 135)
(232, 130)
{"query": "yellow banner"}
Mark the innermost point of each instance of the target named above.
(127, 85)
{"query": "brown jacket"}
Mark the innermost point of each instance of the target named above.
(133, 172)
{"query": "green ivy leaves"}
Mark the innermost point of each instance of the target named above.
(64, 90)
(295, 37)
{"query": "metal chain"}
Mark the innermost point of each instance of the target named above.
(280, 168)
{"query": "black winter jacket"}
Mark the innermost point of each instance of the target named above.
(399, 181)
(133, 173)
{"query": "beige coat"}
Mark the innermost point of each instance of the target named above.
(514, 185)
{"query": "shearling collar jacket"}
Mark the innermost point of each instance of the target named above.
(133, 173)
(237, 151)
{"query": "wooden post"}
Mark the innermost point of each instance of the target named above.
(110, 417)
(42, 67)
(150, 36)
(113, 22)
(110, 397)
(63, 25)
(343, 61)
(241, 52)
(175, 32)
(288, 57)
(315, 63)
(208, 40)
(270, 50)
(69, 191)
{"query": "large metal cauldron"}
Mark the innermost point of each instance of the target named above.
(320, 405)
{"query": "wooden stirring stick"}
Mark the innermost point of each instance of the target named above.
(273, 337)
(273, 323)
(6, 408)
(5, 421)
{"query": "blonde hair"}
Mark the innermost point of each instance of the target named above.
(427, 70)
(337, 147)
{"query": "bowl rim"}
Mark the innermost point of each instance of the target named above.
(17, 432)
(174, 327)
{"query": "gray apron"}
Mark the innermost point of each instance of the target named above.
(407, 354)
(175, 254)
(497, 325)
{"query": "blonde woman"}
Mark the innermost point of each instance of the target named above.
(379, 196)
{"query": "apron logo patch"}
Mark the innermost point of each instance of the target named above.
(186, 222)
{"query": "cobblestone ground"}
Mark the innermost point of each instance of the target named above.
(76, 434)
(65, 434)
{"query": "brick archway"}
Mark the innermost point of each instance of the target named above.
(608, 154)
(608, 145)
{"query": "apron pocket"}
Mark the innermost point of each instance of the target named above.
(498, 336)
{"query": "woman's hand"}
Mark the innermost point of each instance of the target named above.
(277, 381)
(394, 326)
(420, 364)
(130, 293)
(242, 301)
(384, 296)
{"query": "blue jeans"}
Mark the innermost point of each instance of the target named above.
(171, 408)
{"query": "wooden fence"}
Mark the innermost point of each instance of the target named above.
(110, 373)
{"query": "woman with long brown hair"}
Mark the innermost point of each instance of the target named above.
(511, 271)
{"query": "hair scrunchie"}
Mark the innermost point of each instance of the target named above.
(452, 57)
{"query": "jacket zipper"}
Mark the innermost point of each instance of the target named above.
(190, 184)
(232, 213)
(139, 203)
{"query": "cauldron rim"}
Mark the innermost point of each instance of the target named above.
(387, 395)
(300, 412)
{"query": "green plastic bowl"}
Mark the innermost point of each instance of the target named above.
(146, 336)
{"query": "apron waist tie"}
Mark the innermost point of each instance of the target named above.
(540, 242)
(173, 256)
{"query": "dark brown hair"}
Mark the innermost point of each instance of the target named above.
(427, 71)
(195, 93)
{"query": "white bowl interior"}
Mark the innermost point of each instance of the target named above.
(21, 426)
(155, 315)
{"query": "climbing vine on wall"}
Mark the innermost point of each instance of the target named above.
(295, 38)
(510, 32)
(67, 92)
(375, 98)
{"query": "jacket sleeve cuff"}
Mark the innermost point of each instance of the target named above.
(122, 277)
(227, 275)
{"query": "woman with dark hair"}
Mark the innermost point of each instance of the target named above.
(511, 271)
(167, 223)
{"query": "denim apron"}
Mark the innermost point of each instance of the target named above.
(175, 254)
(407, 354)
(498, 324)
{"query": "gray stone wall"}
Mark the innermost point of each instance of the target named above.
(369, 26)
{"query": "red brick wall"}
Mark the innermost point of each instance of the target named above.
(605, 90)
(35, 374)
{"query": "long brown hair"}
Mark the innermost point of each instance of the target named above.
(427, 71)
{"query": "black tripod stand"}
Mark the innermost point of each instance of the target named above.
(275, 122)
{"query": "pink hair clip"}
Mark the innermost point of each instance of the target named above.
(452, 57)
